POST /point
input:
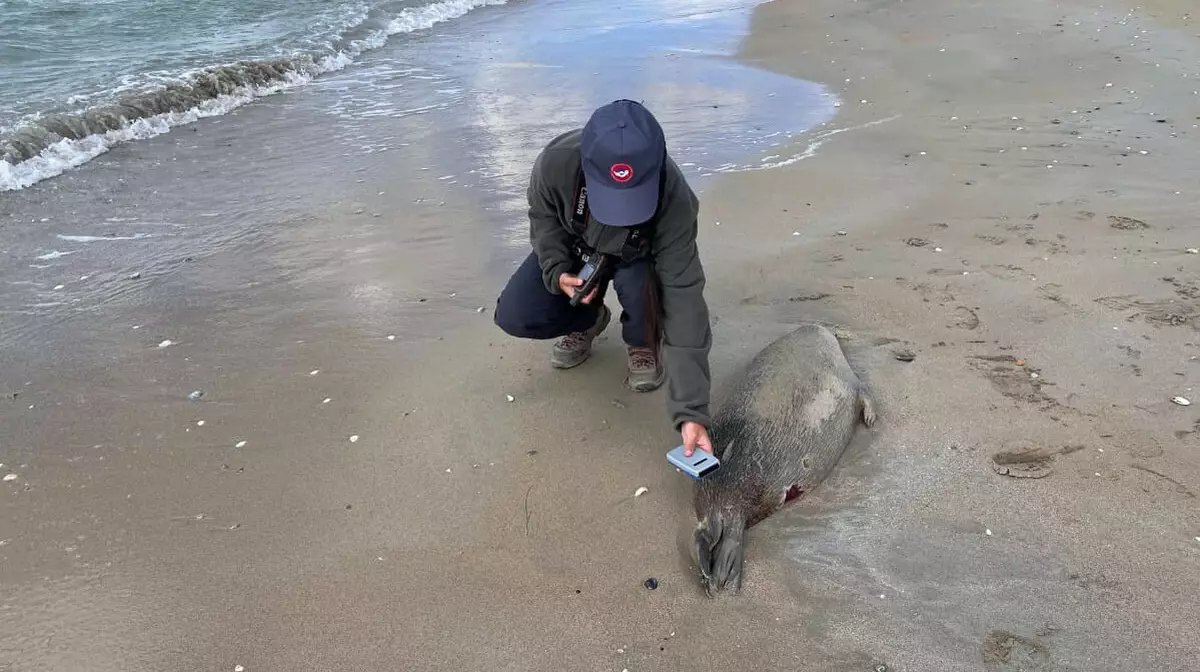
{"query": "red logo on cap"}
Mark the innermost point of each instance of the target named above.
(621, 172)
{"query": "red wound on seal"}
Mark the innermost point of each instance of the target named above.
(793, 492)
(621, 172)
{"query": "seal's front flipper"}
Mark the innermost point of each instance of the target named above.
(868, 408)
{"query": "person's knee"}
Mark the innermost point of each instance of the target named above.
(517, 316)
(509, 319)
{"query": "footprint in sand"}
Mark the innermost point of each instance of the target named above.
(965, 318)
(1007, 652)
(1167, 312)
(1023, 460)
(1126, 223)
(1014, 379)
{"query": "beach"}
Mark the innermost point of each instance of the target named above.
(259, 417)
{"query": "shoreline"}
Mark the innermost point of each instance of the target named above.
(457, 531)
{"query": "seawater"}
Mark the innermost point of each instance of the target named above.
(452, 113)
(82, 75)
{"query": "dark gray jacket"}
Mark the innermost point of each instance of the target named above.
(687, 335)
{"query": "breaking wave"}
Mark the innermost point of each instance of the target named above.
(52, 144)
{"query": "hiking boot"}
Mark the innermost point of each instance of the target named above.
(645, 371)
(574, 349)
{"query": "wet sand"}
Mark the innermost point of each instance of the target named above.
(989, 207)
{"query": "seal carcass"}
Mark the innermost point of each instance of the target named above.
(784, 425)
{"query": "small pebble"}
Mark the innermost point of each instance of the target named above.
(326, 400)
(199, 423)
(988, 532)
(391, 337)
(510, 398)
(240, 444)
(1182, 401)
(652, 583)
(641, 491)
(795, 233)
(238, 668)
(197, 395)
(314, 372)
(479, 309)
(937, 249)
(10, 477)
(165, 344)
(842, 233)
(354, 438)
(1193, 250)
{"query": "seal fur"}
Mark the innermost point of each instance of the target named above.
(784, 425)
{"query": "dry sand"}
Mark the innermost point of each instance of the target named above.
(994, 206)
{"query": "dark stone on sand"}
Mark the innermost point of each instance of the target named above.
(904, 355)
(652, 583)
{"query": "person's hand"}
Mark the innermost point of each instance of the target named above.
(695, 436)
(568, 284)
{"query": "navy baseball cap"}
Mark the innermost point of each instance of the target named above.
(622, 149)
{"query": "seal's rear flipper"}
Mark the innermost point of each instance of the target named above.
(719, 550)
(868, 407)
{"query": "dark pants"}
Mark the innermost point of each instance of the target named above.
(526, 310)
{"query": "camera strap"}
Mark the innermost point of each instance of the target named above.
(581, 212)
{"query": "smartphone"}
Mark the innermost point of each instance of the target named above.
(589, 276)
(586, 272)
(696, 467)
